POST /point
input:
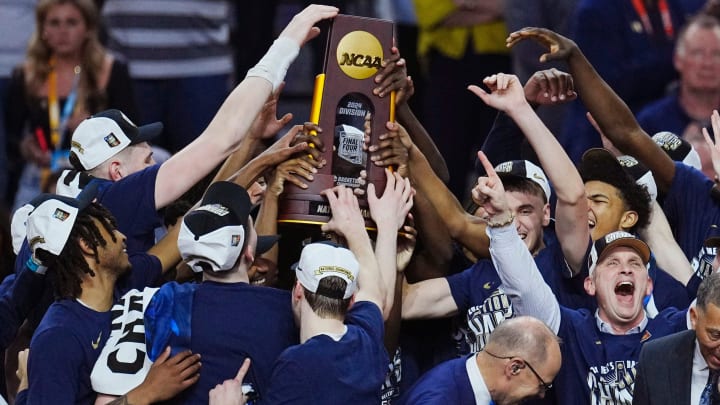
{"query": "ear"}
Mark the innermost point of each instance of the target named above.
(513, 368)
(546, 215)
(628, 220)
(115, 170)
(649, 287)
(86, 249)
(297, 292)
(693, 316)
(249, 253)
(589, 285)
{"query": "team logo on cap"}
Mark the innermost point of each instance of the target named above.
(60, 214)
(667, 140)
(627, 161)
(217, 209)
(235, 240)
(617, 235)
(504, 167)
(334, 269)
(111, 140)
(77, 146)
(538, 177)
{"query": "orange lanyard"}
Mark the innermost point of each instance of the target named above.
(58, 124)
(639, 6)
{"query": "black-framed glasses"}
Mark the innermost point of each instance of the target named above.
(545, 386)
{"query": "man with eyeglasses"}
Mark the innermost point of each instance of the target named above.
(600, 348)
(519, 362)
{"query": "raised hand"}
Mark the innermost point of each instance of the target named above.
(406, 244)
(560, 48)
(346, 217)
(296, 171)
(230, 391)
(714, 146)
(266, 124)
(393, 77)
(506, 92)
(550, 86)
(392, 148)
(392, 207)
(302, 26)
(489, 193)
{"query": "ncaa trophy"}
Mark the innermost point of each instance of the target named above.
(342, 98)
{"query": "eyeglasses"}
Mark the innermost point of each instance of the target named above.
(545, 386)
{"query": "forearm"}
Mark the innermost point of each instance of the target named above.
(668, 254)
(386, 256)
(370, 280)
(266, 223)
(457, 221)
(433, 237)
(250, 172)
(616, 120)
(423, 141)
(521, 279)
(237, 160)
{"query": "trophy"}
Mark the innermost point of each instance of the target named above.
(342, 102)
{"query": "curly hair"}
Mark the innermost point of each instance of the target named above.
(70, 265)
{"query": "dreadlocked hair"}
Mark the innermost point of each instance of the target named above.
(70, 266)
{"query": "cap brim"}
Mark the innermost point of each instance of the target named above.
(635, 244)
(265, 243)
(148, 132)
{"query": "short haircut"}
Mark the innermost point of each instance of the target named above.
(70, 265)
(326, 307)
(525, 186)
(701, 21)
(709, 291)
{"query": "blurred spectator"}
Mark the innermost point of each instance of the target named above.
(16, 24)
(697, 61)
(460, 40)
(180, 60)
(66, 76)
(551, 14)
(630, 43)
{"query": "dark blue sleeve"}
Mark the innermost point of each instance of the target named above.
(367, 315)
(53, 365)
(690, 208)
(21, 397)
(287, 382)
(460, 288)
(132, 203)
(19, 295)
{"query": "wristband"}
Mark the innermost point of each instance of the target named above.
(509, 221)
(274, 65)
(35, 267)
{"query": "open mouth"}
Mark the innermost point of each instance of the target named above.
(258, 281)
(591, 223)
(624, 288)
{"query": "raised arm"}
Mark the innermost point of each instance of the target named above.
(463, 227)
(668, 254)
(347, 221)
(235, 116)
(612, 114)
(571, 211)
(389, 213)
(521, 279)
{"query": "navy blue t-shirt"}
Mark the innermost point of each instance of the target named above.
(233, 321)
(665, 114)
(599, 367)
(691, 210)
(63, 352)
(325, 371)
